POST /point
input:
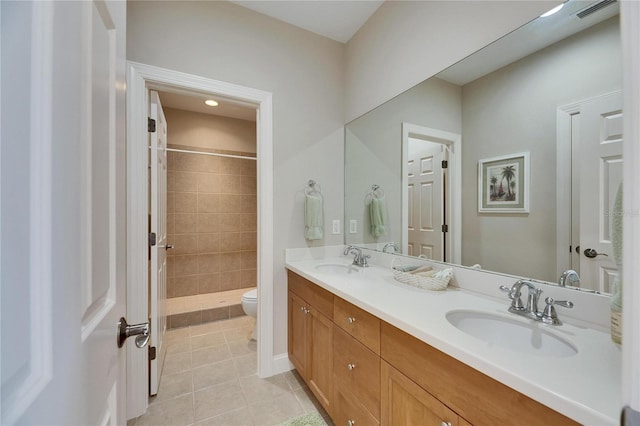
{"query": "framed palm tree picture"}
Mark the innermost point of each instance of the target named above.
(503, 184)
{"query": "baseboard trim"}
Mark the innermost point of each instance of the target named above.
(281, 364)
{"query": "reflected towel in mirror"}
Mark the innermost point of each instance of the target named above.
(313, 220)
(378, 216)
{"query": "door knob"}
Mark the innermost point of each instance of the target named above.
(591, 253)
(142, 331)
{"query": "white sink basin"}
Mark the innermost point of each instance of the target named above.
(509, 333)
(337, 268)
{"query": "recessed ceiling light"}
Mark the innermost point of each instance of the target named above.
(211, 102)
(552, 11)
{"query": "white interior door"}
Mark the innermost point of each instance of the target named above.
(158, 284)
(63, 212)
(600, 176)
(426, 199)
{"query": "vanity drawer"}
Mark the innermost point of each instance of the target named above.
(472, 395)
(313, 294)
(349, 412)
(358, 323)
(356, 370)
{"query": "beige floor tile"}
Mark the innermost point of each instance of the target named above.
(179, 346)
(243, 347)
(177, 334)
(174, 412)
(275, 410)
(246, 365)
(306, 399)
(176, 363)
(210, 355)
(256, 389)
(243, 333)
(237, 322)
(240, 417)
(214, 374)
(206, 340)
(218, 399)
(294, 379)
(133, 421)
(174, 385)
(206, 328)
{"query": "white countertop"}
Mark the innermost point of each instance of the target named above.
(585, 387)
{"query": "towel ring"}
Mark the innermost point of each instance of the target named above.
(312, 188)
(376, 191)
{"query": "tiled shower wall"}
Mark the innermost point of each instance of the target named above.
(211, 222)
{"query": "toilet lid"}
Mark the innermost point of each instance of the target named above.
(251, 295)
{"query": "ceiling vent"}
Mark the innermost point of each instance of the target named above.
(594, 8)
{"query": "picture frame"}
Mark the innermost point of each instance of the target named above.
(503, 184)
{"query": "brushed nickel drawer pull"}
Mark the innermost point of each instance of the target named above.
(351, 320)
(351, 366)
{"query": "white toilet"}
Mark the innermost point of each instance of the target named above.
(250, 307)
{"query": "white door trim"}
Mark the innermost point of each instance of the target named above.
(630, 30)
(454, 215)
(139, 77)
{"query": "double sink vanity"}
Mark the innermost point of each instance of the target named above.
(376, 351)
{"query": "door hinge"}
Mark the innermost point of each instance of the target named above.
(151, 125)
(152, 239)
(152, 353)
(445, 164)
(445, 228)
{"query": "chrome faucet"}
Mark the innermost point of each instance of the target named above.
(572, 276)
(531, 308)
(359, 258)
(392, 245)
(548, 316)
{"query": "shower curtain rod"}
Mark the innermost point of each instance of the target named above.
(244, 157)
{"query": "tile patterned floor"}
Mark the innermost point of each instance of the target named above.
(209, 378)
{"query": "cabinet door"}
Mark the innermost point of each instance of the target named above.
(320, 357)
(297, 339)
(406, 403)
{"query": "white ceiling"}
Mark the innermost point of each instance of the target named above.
(336, 19)
(195, 103)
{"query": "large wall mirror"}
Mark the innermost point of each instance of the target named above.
(509, 160)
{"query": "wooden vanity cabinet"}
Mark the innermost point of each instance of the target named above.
(406, 403)
(365, 371)
(310, 337)
(471, 394)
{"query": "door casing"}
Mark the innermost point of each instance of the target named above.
(141, 78)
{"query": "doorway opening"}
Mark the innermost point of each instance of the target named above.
(141, 79)
(431, 193)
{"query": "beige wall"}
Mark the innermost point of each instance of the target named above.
(405, 42)
(305, 73)
(197, 130)
(211, 222)
(583, 66)
(374, 155)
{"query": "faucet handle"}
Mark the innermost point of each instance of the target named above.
(550, 316)
(516, 303)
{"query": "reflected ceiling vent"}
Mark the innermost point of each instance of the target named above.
(594, 8)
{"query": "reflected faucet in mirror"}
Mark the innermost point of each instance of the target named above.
(571, 276)
(391, 245)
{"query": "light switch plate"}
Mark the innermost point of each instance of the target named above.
(353, 226)
(336, 226)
